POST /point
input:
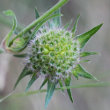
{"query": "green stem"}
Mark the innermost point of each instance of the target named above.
(99, 84)
(49, 12)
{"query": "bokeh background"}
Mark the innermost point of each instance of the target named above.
(93, 12)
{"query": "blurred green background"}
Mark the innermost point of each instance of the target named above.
(93, 12)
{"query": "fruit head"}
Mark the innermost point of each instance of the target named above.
(54, 53)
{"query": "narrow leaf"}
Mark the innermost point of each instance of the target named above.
(24, 73)
(44, 82)
(85, 54)
(67, 83)
(75, 25)
(83, 73)
(33, 79)
(83, 38)
(36, 13)
(50, 90)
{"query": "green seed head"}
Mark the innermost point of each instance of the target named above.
(54, 53)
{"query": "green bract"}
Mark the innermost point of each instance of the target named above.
(54, 52)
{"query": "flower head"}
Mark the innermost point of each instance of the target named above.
(54, 53)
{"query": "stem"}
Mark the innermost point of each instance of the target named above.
(49, 12)
(99, 84)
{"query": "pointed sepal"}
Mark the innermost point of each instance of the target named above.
(80, 71)
(75, 25)
(85, 54)
(36, 13)
(67, 83)
(83, 38)
(44, 82)
(50, 90)
(24, 73)
(33, 79)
